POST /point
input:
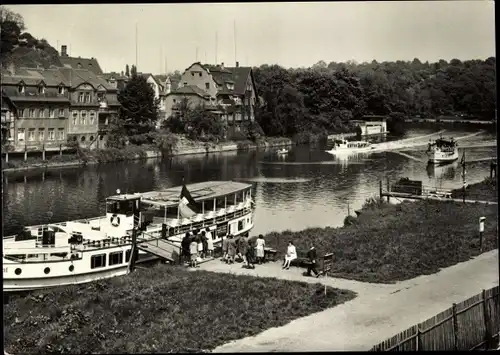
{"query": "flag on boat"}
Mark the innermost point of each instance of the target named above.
(188, 207)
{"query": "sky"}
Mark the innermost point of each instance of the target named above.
(173, 36)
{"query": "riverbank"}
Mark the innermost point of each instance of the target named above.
(388, 243)
(160, 309)
(183, 146)
(485, 190)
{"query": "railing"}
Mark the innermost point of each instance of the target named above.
(469, 325)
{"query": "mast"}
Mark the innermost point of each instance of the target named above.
(216, 40)
(136, 40)
(234, 39)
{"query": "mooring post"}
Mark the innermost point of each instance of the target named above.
(380, 188)
(43, 152)
(388, 189)
(481, 230)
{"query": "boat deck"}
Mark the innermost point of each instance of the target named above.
(199, 191)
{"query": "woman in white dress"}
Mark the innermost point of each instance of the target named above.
(291, 254)
(210, 244)
(259, 248)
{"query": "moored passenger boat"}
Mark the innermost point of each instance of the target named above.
(345, 146)
(442, 151)
(81, 251)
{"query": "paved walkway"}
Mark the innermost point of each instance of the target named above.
(379, 312)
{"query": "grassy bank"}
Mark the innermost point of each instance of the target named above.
(387, 242)
(485, 190)
(161, 309)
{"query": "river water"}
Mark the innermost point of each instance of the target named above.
(307, 188)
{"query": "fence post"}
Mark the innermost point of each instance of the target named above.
(487, 336)
(417, 342)
(455, 327)
(380, 188)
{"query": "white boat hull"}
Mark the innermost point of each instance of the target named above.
(443, 157)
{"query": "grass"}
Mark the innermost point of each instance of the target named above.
(160, 309)
(388, 243)
(485, 190)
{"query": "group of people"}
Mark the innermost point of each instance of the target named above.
(291, 254)
(244, 248)
(197, 244)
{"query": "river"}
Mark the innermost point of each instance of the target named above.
(307, 188)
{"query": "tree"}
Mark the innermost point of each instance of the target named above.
(11, 26)
(139, 109)
(133, 71)
(127, 71)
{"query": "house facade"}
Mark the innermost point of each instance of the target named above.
(231, 89)
(39, 109)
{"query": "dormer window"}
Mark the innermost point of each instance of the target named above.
(79, 65)
(41, 89)
(61, 90)
(230, 86)
(20, 88)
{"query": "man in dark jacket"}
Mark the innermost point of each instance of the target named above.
(312, 255)
(185, 247)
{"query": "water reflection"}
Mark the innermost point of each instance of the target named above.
(308, 187)
(446, 171)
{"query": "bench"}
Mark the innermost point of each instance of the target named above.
(270, 253)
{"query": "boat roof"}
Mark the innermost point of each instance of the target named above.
(199, 191)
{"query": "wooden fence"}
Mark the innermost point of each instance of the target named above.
(469, 325)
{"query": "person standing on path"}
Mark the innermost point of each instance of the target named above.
(243, 248)
(224, 248)
(312, 255)
(210, 244)
(193, 249)
(250, 255)
(185, 247)
(231, 249)
(259, 248)
(204, 243)
(291, 254)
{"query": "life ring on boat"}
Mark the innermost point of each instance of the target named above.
(79, 239)
(115, 220)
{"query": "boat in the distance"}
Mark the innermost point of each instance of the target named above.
(81, 251)
(442, 151)
(344, 146)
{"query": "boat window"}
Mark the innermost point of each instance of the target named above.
(16, 257)
(121, 207)
(32, 256)
(71, 268)
(97, 261)
(18, 271)
(46, 270)
(115, 258)
(61, 255)
(241, 225)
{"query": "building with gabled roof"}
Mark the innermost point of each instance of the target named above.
(232, 89)
(90, 64)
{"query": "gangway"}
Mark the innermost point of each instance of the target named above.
(154, 244)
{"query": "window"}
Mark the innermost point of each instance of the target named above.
(60, 134)
(31, 134)
(51, 134)
(115, 258)
(241, 225)
(192, 73)
(127, 255)
(20, 134)
(41, 113)
(75, 118)
(52, 113)
(92, 117)
(41, 89)
(82, 139)
(97, 261)
(100, 96)
(185, 83)
(31, 113)
(20, 112)
(41, 134)
(80, 97)
(83, 117)
(61, 90)
(87, 97)
(174, 101)
(207, 86)
(199, 73)
(101, 137)
(20, 89)
(61, 112)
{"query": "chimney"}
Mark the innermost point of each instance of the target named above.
(237, 64)
(222, 65)
(64, 51)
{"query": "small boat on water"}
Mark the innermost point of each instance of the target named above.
(345, 146)
(442, 151)
(282, 151)
(81, 251)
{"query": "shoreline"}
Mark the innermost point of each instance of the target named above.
(198, 149)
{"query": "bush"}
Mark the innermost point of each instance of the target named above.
(238, 136)
(161, 309)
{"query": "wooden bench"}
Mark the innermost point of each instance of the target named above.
(270, 253)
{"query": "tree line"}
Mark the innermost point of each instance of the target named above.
(327, 97)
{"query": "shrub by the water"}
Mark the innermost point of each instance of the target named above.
(161, 309)
(390, 242)
(485, 190)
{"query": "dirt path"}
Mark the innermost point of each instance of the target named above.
(379, 312)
